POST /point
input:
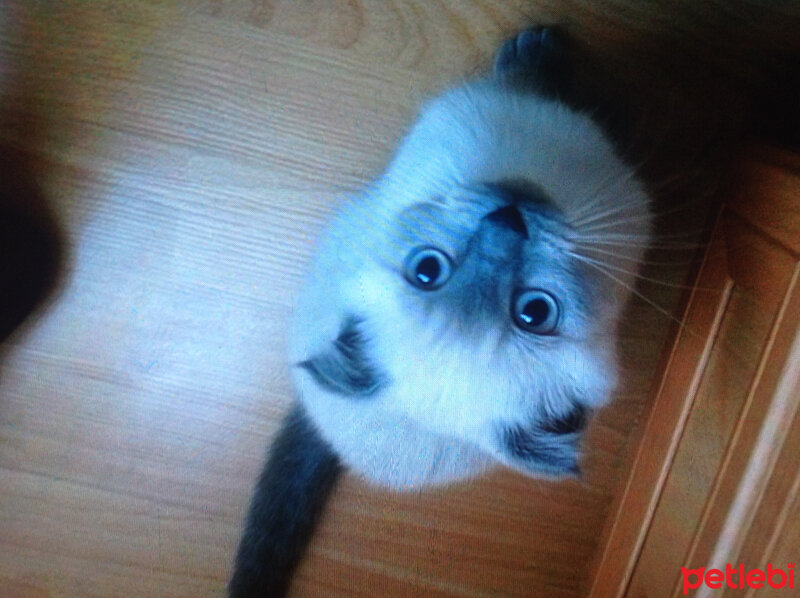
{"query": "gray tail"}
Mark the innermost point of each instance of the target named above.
(300, 473)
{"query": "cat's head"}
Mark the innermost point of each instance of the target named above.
(476, 288)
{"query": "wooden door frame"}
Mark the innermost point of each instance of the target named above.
(762, 437)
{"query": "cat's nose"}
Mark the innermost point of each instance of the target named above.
(510, 217)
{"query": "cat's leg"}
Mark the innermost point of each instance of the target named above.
(537, 58)
(290, 495)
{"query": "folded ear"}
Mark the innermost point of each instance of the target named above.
(344, 367)
(549, 447)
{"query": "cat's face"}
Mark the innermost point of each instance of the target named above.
(468, 311)
(468, 315)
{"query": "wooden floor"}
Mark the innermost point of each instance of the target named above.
(190, 153)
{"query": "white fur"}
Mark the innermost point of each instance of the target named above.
(436, 419)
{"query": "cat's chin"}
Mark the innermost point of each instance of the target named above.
(384, 448)
(389, 450)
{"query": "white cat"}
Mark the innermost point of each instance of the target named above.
(463, 311)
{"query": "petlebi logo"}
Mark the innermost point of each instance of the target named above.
(738, 577)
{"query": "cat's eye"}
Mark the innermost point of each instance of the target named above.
(536, 311)
(427, 268)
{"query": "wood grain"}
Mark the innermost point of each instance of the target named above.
(715, 477)
(190, 153)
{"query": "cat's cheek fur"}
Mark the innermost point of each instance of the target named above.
(437, 419)
(382, 446)
(344, 367)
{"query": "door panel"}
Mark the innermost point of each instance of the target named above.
(715, 477)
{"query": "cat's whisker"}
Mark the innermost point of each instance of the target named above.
(672, 247)
(687, 234)
(653, 188)
(641, 242)
(604, 217)
(635, 274)
(642, 296)
(619, 256)
(614, 179)
(594, 199)
(606, 220)
(734, 350)
(588, 210)
(631, 174)
(655, 214)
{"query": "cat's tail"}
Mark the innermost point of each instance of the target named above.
(300, 473)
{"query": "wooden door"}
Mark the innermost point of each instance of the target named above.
(716, 475)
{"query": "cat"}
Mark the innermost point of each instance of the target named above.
(462, 311)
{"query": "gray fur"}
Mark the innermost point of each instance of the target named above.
(343, 368)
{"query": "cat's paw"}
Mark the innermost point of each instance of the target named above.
(537, 54)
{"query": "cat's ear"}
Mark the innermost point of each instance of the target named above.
(344, 367)
(548, 447)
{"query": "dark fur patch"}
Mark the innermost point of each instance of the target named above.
(550, 445)
(510, 217)
(574, 421)
(345, 369)
(541, 451)
(536, 58)
(544, 61)
(521, 192)
(290, 495)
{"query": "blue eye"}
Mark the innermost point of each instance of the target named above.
(427, 268)
(535, 311)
